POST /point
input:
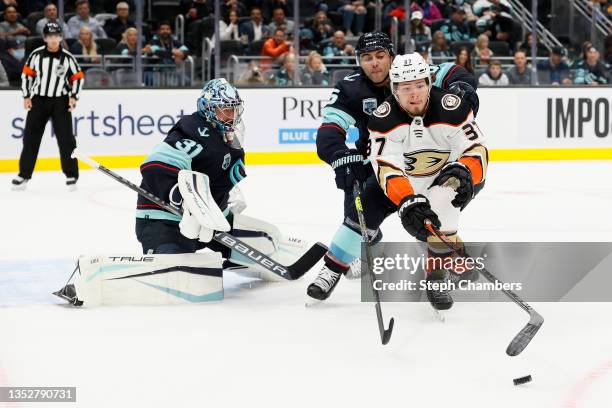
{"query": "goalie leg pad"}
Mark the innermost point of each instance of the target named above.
(149, 279)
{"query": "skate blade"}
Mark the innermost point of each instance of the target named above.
(311, 302)
(439, 315)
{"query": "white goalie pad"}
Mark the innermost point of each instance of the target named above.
(149, 279)
(268, 239)
(197, 198)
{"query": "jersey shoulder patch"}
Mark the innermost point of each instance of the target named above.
(446, 108)
(387, 116)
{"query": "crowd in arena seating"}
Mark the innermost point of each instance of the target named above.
(480, 35)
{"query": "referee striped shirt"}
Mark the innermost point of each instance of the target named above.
(51, 74)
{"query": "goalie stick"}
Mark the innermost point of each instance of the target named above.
(290, 272)
(522, 339)
(385, 334)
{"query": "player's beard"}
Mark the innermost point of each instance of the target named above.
(420, 112)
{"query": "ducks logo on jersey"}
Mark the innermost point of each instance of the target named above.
(383, 110)
(451, 102)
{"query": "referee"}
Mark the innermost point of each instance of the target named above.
(51, 82)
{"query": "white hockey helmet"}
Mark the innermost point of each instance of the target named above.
(409, 67)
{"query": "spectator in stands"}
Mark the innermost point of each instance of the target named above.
(322, 27)
(85, 48)
(353, 16)
(541, 50)
(275, 47)
(50, 13)
(14, 32)
(608, 49)
(430, 11)
(280, 21)
(11, 65)
(485, 7)
(590, 70)
(481, 52)
(228, 27)
(494, 75)
(519, 74)
(423, 49)
(116, 27)
(463, 59)
(338, 47)
(286, 75)
(439, 48)
(456, 28)
(194, 10)
(165, 46)
(502, 25)
(129, 43)
(233, 5)
(467, 8)
(314, 72)
(4, 82)
(419, 32)
(254, 29)
(82, 18)
(554, 71)
(253, 75)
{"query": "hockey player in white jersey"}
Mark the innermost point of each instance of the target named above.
(429, 162)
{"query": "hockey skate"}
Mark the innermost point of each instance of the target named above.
(71, 183)
(439, 298)
(19, 183)
(324, 284)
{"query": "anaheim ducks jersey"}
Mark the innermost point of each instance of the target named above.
(407, 153)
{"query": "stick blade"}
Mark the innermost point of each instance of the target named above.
(524, 337)
(387, 333)
(307, 261)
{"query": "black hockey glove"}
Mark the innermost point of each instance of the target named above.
(467, 92)
(457, 176)
(413, 211)
(349, 166)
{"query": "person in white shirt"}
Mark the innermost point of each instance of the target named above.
(82, 18)
(494, 75)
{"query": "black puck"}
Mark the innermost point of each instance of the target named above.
(522, 380)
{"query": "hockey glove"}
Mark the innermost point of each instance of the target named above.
(349, 166)
(457, 176)
(467, 92)
(413, 211)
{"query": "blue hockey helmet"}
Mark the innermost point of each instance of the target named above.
(218, 94)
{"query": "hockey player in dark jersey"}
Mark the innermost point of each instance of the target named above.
(353, 99)
(207, 141)
(421, 137)
(207, 147)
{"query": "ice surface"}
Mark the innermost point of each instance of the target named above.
(261, 347)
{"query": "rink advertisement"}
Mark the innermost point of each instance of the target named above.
(536, 271)
(123, 126)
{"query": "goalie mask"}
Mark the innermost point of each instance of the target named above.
(220, 104)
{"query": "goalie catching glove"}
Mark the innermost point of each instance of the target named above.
(201, 214)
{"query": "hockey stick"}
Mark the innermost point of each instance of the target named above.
(291, 272)
(385, 335)
(522, 339)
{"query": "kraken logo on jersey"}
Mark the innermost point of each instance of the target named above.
(423, 163)
(203, 132)
(451, 102)
(369, 105)
(383, 110)
(227, 159)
